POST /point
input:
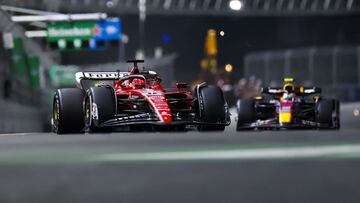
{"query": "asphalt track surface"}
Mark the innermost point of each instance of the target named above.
(261, 166)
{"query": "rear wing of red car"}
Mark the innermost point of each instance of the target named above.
(105, 75)
(100, 75)
(85, 80)
(89, 76)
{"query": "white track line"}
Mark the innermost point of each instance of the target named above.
(12, 134)
(239, 154)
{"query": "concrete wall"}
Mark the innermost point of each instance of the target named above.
(349, 117)
(19, 118)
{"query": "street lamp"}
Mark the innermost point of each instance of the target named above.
(228, 68)
(235, 5)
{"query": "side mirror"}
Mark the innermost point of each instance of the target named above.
(181, 85)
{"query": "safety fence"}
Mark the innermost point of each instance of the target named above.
(335, 69)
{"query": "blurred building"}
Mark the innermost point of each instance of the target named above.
(24, 93)
(336, 69)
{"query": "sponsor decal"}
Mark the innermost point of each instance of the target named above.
(286, 108)
(311, 123)
(152, 92)
(138, 116)
(73, 32)
(157, 99)
(261, 123)
(105, 75)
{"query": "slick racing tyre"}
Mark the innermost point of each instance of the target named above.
(68, 113)
(100, 106)
(328, 113)
(212, 108)
(246, 112)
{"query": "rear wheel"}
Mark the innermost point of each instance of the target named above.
(100, 106)
(328, 113)
(246, 112)
(212, 108)
(68, 115)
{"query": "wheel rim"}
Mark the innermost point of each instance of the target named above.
(88, 119)
(56, 114)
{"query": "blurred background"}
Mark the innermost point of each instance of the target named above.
(239, 45)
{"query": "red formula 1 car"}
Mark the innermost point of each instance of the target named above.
(136, 100)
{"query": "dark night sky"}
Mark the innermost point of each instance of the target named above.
(242, 35)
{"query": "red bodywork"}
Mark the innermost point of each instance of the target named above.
(152, 95)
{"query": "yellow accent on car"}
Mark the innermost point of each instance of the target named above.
(302, 89)
(288, 79)
(285, 117)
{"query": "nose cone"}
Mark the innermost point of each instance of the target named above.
(166, 116)
(285, 112)
(161, 107)
(285, 117)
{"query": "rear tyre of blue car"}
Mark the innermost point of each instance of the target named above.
(328, 113)
(68, 114)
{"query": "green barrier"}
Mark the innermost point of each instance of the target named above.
(67, 78)
(34, 71)
(18, 65)
(62, 76)
(52, 73)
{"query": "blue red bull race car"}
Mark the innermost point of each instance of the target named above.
(288, 107)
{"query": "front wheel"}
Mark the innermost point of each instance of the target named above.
(246, 112)
(212, 108)
(100, 106)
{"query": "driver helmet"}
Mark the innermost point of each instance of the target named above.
(289, 87)
(138, 83)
